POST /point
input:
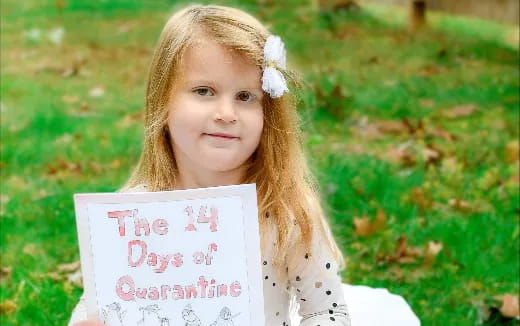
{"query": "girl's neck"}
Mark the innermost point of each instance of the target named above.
(190, 179)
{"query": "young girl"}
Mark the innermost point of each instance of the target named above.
(219, 112)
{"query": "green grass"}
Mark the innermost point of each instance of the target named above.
(360, 67)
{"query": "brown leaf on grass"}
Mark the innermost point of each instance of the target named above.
(70, 272)
(431, 154)
(70, 99)
(440, 132)
(131, 119)
(400, 155)
(115, 164)
(514, 180)
(5, 273)
(421, 199)
(430, 70)
(512, 151)
(75, 278)
(363, 226)
(63, 168)
(30, 249)
(427, 103)
(96, 167)
(70, 267)
(432, 250)
(54, 276)
(97, 91)
(4, 199)
(7, 307)
(40, 194)
(83, 110)
(510, 306)
(461, 205)
(392, 127)
(460, 111)
(402, 254)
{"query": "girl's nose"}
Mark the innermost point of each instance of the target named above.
(226, 111)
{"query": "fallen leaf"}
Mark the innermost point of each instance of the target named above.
(400, 155)
(427, 103)
(431, 154)
(70, 99)
(131, 119)
(460, 205)
(432, 250)
(55, 276)
(70, 267)
(30, 249)
(392, 127)
(420, 199)
(115, 164)
(363, 226)
(5, 273)
(403, 254)
(7, 307)
(42, 193)
(97, 91)
(63, 168)
(512, 151)
(96, 167)
(75, 278)
(440, 132)
(461, 111)
(4, 199)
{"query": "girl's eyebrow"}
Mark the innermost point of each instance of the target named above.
(207, 82)
(201, 82)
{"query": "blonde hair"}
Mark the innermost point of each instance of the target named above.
(287, 192)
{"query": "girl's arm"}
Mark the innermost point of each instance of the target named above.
(314, 276)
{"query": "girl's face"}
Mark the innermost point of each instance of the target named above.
(215, 112)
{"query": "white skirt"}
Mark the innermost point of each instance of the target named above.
(374, 307)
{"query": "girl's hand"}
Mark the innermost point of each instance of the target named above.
(89, 322)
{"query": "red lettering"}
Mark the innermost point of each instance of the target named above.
(142, 245)
(120, 215)
(129, 282)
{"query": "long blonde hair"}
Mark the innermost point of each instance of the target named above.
(287, 192)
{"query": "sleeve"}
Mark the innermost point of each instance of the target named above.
(317, 285)
(79, 313)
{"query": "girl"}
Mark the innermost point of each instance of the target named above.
(219, 112)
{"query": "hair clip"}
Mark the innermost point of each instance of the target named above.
(273, 82)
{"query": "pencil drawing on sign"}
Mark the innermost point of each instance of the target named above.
(151, 316)
(190, 317)
(225, 318)
(113, 314)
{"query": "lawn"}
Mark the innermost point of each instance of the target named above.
(413, 138)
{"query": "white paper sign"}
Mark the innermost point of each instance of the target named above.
(188, 257)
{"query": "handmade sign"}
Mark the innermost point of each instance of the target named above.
(188, 257)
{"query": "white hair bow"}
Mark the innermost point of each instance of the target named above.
(273, 81)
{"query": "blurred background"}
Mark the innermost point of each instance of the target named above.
(410, 114)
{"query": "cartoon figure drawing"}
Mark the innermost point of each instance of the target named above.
(190, 317)
(225, 318)
(151, 316)
(113, 315)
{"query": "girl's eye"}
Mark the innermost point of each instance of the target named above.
(246, 96)
(203, 91)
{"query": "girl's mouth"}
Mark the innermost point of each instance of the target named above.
(221, 136)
